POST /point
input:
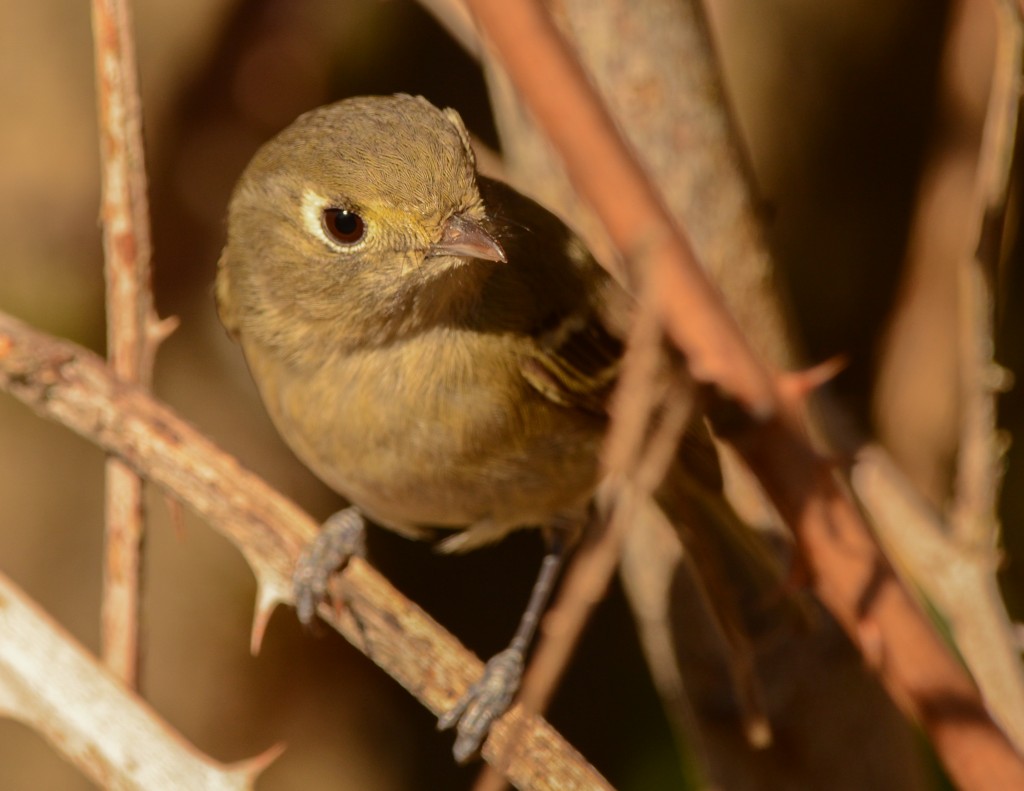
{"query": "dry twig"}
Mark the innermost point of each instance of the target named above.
(850, 574)
(978, 473)
(53, 685)
(637, 456)
(70, 384)
(133, 331)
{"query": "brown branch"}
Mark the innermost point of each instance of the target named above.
(978, 463)
(654, 65)
(131, 321)
(850, 573)
(981, 624)
(52, 684)
(64, 382)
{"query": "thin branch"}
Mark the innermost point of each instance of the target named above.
(978, 616)
(979, 458)
(850, 573)
(131, 339)
(53, 685)
(69, 384)
(639, 454)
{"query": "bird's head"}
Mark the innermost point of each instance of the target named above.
(361, 220)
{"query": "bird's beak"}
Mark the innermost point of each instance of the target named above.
(466, 238)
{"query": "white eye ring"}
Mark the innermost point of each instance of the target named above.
(314, 208)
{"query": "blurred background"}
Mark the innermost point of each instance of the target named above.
(862, 121)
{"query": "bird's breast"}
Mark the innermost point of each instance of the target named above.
(436, 431)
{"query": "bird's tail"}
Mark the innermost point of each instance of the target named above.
(741, 574)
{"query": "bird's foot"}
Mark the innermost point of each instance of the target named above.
(342, 536)
(482, 704)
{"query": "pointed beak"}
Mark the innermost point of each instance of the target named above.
(466, 238)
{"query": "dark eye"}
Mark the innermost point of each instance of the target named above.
(343, 226)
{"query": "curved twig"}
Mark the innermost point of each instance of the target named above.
(52, 684)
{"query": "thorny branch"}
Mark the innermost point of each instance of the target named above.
(851, 575)
(71, 385)
(654, 65)
(133, 331)
(52, 684)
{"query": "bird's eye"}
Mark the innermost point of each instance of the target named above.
(344, 226)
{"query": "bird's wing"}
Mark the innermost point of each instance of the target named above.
(577, 366)
(574, 339)
(575, 363)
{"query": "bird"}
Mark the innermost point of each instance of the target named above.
(434, 345)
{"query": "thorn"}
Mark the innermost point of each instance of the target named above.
(998, 378)
(267, 599)
(158, 330)
(797, 385)
(251, 768)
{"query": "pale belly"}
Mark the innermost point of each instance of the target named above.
(459, 446)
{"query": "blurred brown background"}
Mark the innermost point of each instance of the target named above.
(851, 138)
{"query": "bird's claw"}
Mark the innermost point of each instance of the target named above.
(342, 536)
(483, 703)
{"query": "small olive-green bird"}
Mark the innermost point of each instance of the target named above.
(435, 346)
